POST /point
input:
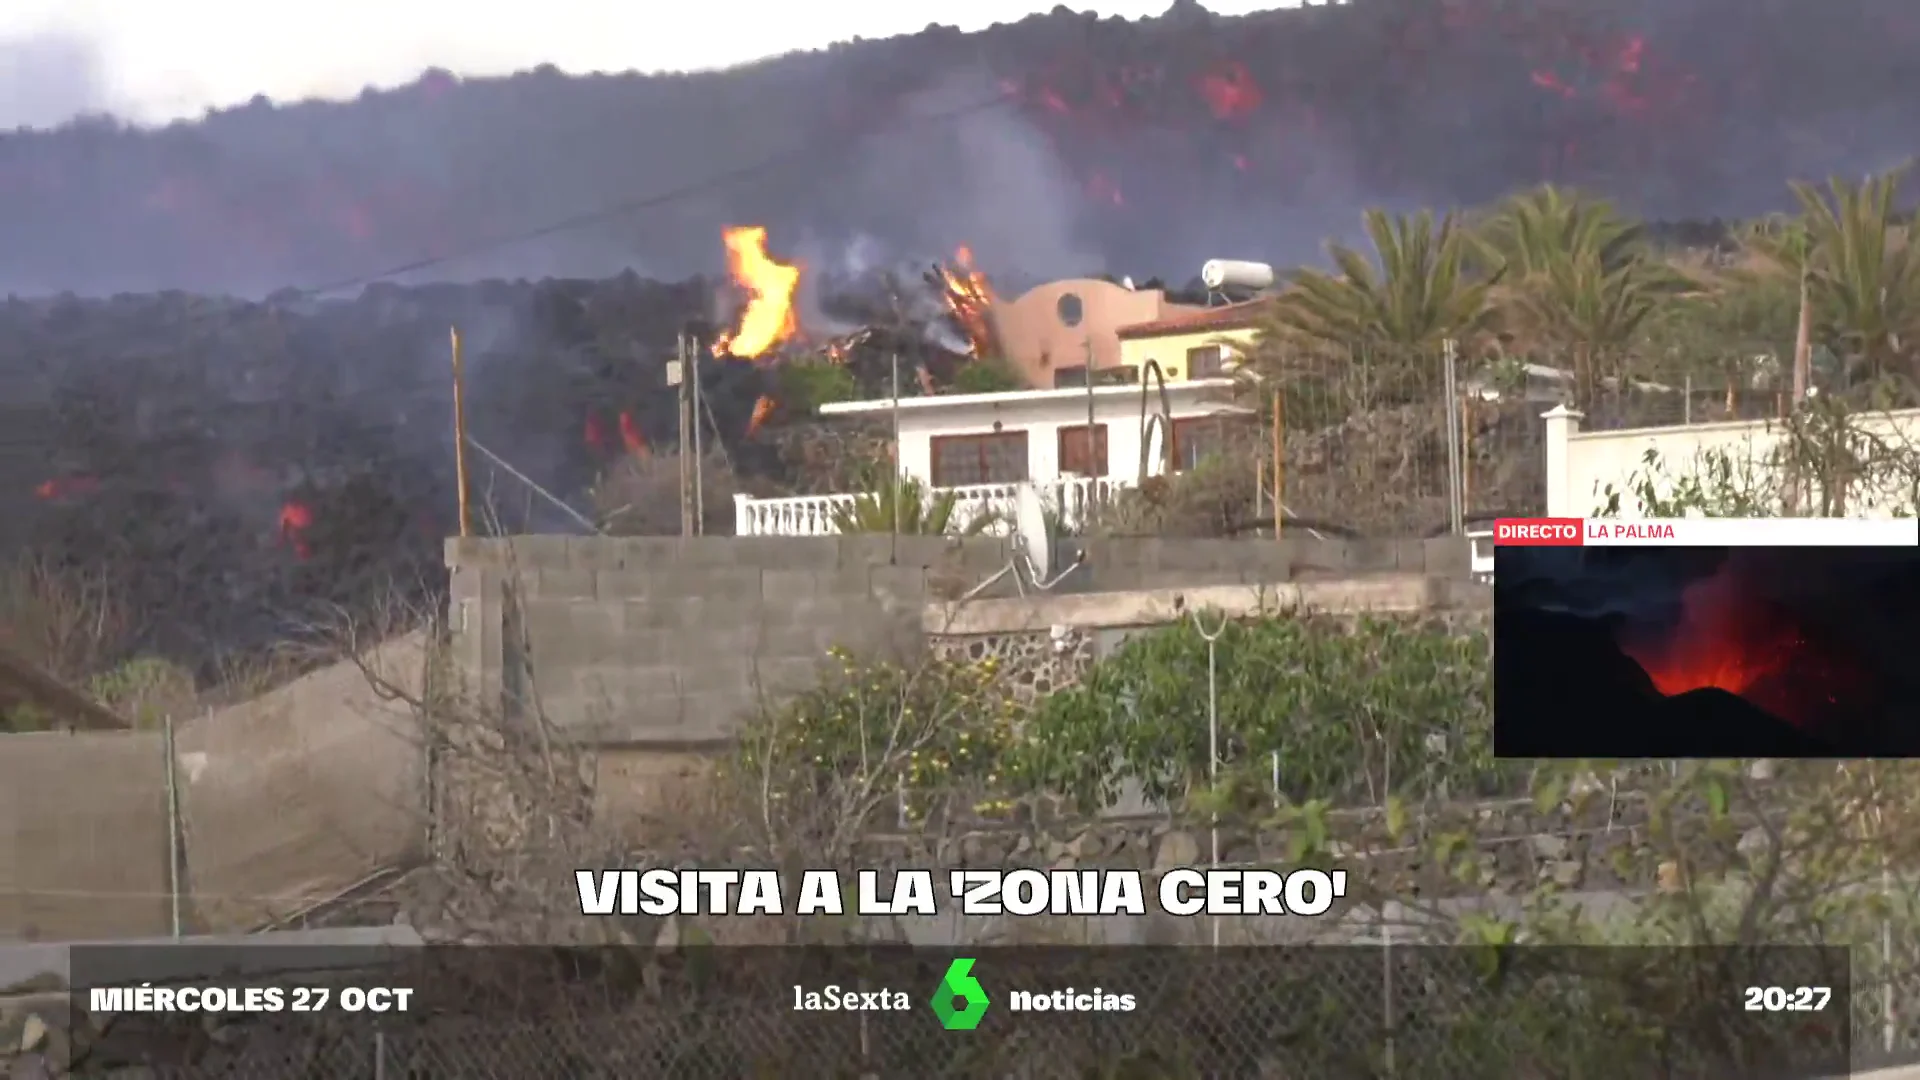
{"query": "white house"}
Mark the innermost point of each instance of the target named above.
(984, 446)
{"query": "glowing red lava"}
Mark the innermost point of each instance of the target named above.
(295, 519)
(1730, 640)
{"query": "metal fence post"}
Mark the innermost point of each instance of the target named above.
(379, 1055)
(1456, 461)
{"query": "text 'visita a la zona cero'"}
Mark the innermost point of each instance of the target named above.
(1185, 891)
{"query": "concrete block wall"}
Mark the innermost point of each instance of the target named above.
(670, 642)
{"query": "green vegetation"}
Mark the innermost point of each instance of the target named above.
(905, 505)
(1560, 278)
(986, 376)
(1358, 712)
(1354, 711)
(805, 385)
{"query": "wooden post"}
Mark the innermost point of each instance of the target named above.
(460, 433)
(1279, 458)
(683, 363)
(694, 407)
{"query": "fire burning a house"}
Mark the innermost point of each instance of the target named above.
(768, 326)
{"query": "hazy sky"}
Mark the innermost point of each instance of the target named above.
(154, 60)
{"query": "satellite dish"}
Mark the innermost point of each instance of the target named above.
(1030, 529)
(1032, 546)
(1127, 283)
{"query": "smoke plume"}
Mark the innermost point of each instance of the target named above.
(1140, 148)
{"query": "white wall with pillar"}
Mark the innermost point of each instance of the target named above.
(1581, 465)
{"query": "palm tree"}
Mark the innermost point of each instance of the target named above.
(1782, 246)
(904, 505)
(1595, 312)
(1415, 293)
(1532, 231)
(1400, 305)
(1576, 279)
(1864, 272)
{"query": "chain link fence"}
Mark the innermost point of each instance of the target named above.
(1370, 442)
(1052, 1012)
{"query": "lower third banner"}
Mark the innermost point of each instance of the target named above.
(715, 1012)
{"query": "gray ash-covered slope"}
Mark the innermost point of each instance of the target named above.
(1152, 144)
(242, 466)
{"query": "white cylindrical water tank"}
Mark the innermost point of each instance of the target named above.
(1235, 274)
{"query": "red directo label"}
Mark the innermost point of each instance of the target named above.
(1537, 532)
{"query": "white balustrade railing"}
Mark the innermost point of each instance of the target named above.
(813, 515)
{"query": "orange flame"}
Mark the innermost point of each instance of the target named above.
(768, 318)
(762, 411)
(970, 298)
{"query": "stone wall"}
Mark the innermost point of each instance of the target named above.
(1039, 662)
(668, 642)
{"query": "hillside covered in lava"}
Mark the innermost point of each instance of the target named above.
(1059, 145)
(237, 467)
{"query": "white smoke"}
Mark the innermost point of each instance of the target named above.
(49, 78)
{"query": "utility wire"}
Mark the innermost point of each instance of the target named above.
(630, 207)
(615, 211)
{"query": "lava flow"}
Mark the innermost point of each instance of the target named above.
(768, 318)
(763, 407)
(295, 519)
(66, 487)
(1728, 639)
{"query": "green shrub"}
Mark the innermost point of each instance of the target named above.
(805, 385)
(147, 691)
(1355, 711)
(876, 737)
(905, 505)
(987, 376)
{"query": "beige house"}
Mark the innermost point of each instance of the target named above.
(1201, 343)
(1050, 333)
(1194, 345)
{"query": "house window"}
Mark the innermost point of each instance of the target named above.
(1070, 310)
(1074, 457)
(1205, 362)
(1106, 376)
(999, 458)
(1195, 440)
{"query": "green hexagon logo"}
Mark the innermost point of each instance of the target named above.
(961, 1001)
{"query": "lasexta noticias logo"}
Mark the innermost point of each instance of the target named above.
(960, 1002)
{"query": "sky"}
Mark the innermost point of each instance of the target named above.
(152, 61)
